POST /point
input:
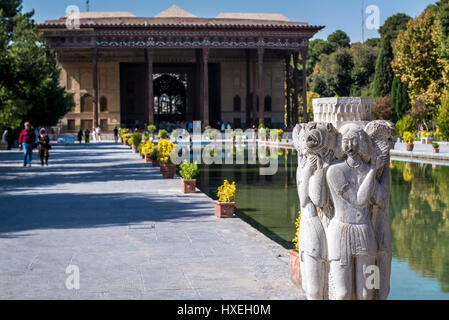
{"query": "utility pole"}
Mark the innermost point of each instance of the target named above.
(363, 21)
(87, 5)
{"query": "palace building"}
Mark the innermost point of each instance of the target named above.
(125, 70)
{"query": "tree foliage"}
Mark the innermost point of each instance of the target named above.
(442, 120)
(399, 99)
(393, 25)
(417, 62)
(29, 83)
(332, 75)
(383, 77)
(382, 108)
(339, 39)
(364, 57)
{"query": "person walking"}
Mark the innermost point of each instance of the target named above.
(44, 146)
(99, 134)
(27, 139)
(116, 134)
(87, 135)
(94, 135)
(80, 135)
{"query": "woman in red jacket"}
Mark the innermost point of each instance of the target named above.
(27, 139)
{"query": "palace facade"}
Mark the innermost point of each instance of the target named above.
(125, 70)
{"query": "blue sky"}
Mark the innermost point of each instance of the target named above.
(334, 14)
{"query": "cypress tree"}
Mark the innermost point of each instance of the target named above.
(399, 98)
(383, 77)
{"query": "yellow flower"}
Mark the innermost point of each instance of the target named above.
(226, 192)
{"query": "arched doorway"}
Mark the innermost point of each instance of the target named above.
(169, 99)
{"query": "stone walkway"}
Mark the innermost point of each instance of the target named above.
(132, 234)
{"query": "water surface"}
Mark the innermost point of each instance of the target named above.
(419, 214)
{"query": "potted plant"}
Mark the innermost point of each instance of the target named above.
(408, 139)
(163, 134)
(224, 206)
(164, 150)
(280, 134)
(140, 149)
(149, 150)
(436, 147)
(135, 140)
(188, 173)
(151, 130)
(295, 270)
(262, 133)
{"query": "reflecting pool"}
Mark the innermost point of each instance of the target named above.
(419, 212)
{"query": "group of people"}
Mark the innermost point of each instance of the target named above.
(87, 134)
(30, 139)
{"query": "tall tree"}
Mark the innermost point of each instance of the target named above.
(399, 99)
(29, 87)
(317, 48)
(339, 39)
(332, 75)
(383, 77)
(364, 58)
(443, 23)
(417, 62)
(393, 25)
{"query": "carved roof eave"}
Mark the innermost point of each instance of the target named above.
(85, 38)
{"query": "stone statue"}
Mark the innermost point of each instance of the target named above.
(382, 134)
(315, 144)
(351, 239)
(344, 185)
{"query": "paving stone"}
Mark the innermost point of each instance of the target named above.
(132, 234)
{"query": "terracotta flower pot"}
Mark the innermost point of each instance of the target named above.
(155, 163)
(436, 150)
(295, 271)
(409, 147)
(147, 158)
(224, 209)
(188, 186)
(168, 170)
(134, 148)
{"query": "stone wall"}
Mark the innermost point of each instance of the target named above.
(77, 78)
(234, 83)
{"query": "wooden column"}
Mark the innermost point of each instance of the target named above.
(248, 89)
(295, 103)
(149, 110)
(288, 89)
(199, 96)
(260, 87)
(205, 86)
(95, 87)
(254, 117)
(305, 116)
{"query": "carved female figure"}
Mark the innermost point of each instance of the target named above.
(351, 238)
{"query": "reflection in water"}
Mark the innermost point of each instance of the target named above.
(420, 219)
(419, 210)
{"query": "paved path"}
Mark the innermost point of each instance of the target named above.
(132, 234)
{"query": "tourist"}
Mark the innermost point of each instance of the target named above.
(223, 126)
(44, 146)
(80, 135)
(190, 126)
(27, 140)
(229, 127)
(94, 135)
(116, 134)
(87, 135)
(99, 134)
